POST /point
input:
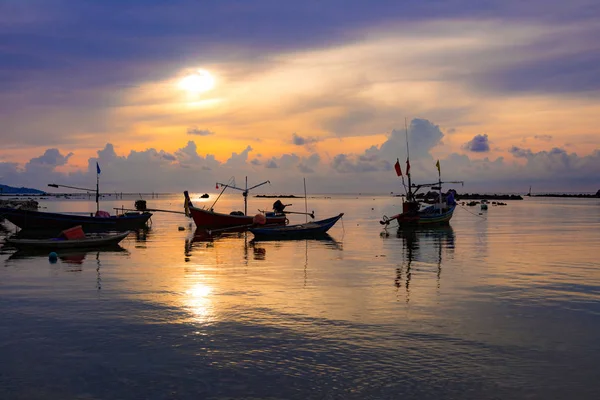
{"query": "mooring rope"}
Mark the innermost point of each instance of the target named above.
(477, 215)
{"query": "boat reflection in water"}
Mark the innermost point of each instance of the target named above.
(69, 256)
(71, 260)
(202, 239)
(324, 239)
(425, 247)
(142, 235)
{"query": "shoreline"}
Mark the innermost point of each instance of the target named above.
(467, 196)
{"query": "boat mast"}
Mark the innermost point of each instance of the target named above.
(440, 187)
(97, 193)
(409, 196)
(246, 197)
(305, 204)
(54, 185)
(243, 190)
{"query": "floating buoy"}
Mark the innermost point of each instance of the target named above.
(259, 219)
(52, 257)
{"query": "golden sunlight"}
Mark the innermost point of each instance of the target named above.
(199, 302)
(197, 82)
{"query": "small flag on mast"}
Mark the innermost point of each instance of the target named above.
(397, 167)
(407, 166)
(217, 186)
(97, 168)
(437, 164)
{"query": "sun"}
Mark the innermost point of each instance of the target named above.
(197, 82)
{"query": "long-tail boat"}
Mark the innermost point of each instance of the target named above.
(211, 220)
(69, 240)
(52, 223)
(312, 229)
(417, 212)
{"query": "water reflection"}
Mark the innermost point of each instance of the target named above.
(198, 300)
(202, 239)
(68, 256)
(425, 247)
(259, 252)
(142, 236)
(70, 260)
(251, 248)
(325, 240)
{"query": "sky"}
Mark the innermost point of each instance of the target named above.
(176, 95)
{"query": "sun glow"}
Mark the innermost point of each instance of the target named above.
(199, 301)
(197, 82)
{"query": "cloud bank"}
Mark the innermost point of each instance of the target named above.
(371, 170)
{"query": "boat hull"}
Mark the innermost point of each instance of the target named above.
(425, 219)
(54, 223)
(205, 219)
(90, 241)
(300, 231)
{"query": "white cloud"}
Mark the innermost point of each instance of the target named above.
(554, 169)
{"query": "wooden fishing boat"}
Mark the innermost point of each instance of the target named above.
(313, 229)
(89, 240)
(210, 220)
(207, 219)
(434, 208)
(418, 212)
(53, 223)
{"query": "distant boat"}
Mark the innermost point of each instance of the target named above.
(205, 196)
(87, 241)
(313, 229)
(417, 212)
(484, 204)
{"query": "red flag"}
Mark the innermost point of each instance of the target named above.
(407, 167)
(397, 167)
(217, 186)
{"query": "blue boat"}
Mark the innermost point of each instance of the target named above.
(307, 230)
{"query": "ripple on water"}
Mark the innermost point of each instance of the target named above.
(501, 307)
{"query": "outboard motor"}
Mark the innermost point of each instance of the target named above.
(450, 197)
(140, 205)
(278, 207)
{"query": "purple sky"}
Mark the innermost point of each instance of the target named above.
(504, 93)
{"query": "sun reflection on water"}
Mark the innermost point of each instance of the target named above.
(198, 299)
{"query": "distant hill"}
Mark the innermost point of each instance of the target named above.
(4, 189)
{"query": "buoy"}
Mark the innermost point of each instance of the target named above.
(259, 219)
(52, 257)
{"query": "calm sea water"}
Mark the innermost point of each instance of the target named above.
(501, 305)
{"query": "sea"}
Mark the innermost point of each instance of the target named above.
(502, 304)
